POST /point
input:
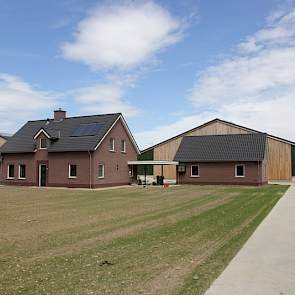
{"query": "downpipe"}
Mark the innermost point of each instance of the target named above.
(90, 169)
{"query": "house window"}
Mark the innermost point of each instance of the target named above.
(22, 171)
(123, 146)
(100, 170)
(112, 144)
(195, 171)
(72, 171)
(43, 143)
(10, 171)
(240, 170)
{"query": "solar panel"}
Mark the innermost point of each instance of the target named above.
(87, 129)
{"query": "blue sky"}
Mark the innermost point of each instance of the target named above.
(167, 65)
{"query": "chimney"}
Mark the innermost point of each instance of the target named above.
(59, 115)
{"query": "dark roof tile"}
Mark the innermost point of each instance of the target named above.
(231, 147)
(22, 140)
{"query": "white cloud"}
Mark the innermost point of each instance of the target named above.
(19, 101)
(104, 98)
(122, 39)
(255, 87)
(123, 36)
(246, 78)
(280, 30)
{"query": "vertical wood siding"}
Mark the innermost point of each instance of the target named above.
(279, 160)
(2, 141)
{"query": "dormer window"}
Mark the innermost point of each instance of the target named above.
(112, 144)
(43, 143)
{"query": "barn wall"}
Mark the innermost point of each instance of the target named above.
(293, 160)
(279, 153)
(167, 152)
(2, 141)
(279, 160)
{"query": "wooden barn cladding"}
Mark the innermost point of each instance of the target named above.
(293, 159)
(279, 156)
(3, 139)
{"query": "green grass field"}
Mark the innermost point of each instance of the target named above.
(124, 241)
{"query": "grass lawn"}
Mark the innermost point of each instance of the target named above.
(124, 241)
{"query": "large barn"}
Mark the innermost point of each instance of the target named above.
(279, 153)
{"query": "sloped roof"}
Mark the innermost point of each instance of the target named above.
(5, 136)
(23, 140)
(230, 147)
(213, 121)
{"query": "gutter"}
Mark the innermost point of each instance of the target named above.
(2, 168)
(259, 176)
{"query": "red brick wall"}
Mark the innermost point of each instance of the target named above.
(58, 170)
(116, 166)
(16, 159)
(222, 173)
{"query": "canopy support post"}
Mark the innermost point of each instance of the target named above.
(145, 175)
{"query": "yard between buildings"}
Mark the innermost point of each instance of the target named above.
(124, 241)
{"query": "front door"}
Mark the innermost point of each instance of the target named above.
(42, 174)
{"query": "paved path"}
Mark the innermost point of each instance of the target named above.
(266, 263)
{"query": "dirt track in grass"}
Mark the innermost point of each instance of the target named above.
(158, 241)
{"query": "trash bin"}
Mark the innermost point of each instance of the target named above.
(160, 180)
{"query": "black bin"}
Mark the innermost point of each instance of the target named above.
(160, 180)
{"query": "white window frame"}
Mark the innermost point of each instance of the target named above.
(123, 141)
(8, 177)
(40, 146)
(244, 170)
(102, 176)
(71, 176)
(19, 177)
(112, 149)
(192, 170)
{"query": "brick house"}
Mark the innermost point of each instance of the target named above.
(86, 151)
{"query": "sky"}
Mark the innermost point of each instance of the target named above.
(168, 66)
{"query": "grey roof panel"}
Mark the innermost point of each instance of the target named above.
(61, 131)
(231, 147)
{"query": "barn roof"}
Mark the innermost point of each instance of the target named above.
(230, 147)
(213, 121)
